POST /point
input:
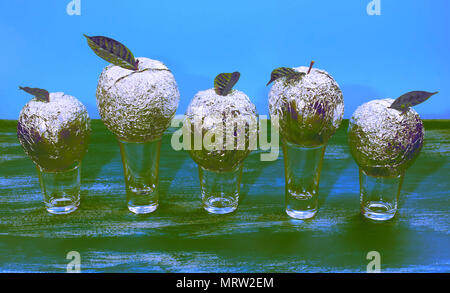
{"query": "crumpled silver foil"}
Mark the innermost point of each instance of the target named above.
(383, 141)
(137, 106)
(54, 134)
(310, 109)
(235, 114)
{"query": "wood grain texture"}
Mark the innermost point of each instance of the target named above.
(259, 237)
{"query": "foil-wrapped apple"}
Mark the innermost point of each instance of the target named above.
(308, 102)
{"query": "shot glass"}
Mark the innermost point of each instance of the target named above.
(379, 195)
(141, 167)
(220, 190)
(302, 167)
(61, 189)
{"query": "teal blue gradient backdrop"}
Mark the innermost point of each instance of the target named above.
(405, 48)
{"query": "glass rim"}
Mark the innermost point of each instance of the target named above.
(238, 166)
(284, 141)
(139, 142)
(72, 167)
(361, 169)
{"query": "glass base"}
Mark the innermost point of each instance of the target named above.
(378, 211)
(301, 215)
(62, 206)
(143, 209)
(220, 206)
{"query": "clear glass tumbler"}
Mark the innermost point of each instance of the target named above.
(302, 168)
(141, 167)
(379, 196)
(220, 190)
(61, 189)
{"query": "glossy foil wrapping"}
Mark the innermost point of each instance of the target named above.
(137, 106)
(232, 116)
(310, 109)
(54, 134)
(383, 141)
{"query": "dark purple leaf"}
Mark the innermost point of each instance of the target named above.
(404, 102)
(224, 82)
(290, 74)
(40, 94)
(112, 51)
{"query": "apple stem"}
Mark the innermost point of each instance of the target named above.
(137, 64)
(310, 66)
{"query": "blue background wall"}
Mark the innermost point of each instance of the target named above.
(405, 48)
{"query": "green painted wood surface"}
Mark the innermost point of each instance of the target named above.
(259, 237)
